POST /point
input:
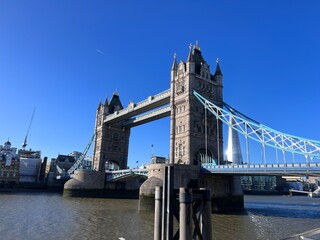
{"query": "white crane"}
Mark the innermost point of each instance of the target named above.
(24, 144)
(77, 164)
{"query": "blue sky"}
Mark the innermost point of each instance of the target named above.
(62, 57)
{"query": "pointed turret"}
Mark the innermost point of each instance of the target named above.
(190, 65)
(99, 105)
(190, 56)
(103, 108)
(195, 56)
(218, 70)
(197, 46)
(217, 78)
(106, 103)
(106, 106)
(115, 103)
(174, 65)
(101, 112)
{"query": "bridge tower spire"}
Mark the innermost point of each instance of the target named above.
(174, 65)
(217, 77)
(188, 142)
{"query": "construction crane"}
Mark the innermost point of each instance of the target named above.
(24, 144)
(77, 164)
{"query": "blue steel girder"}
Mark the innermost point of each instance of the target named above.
(261, 133)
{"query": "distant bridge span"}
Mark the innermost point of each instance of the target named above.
(289, 169)
(113, 176)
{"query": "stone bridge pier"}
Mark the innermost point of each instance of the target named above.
(226, 191)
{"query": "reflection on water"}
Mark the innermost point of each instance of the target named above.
(50, 216)
(277, 217)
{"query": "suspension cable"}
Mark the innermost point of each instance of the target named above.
(247, 144)
(218, 138)
(206, 132)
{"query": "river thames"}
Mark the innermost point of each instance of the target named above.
(43, 215)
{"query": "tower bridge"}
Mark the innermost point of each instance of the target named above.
(197, 111)
(187, 146)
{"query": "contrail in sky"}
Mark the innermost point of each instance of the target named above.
(99, 51)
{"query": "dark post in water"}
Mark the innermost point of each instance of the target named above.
(191, 207)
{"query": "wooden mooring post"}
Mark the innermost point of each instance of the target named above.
(190, 207)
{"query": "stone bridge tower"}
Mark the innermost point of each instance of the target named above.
(193, 139)
(112, 140)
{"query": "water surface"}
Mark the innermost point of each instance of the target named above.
(51, 216)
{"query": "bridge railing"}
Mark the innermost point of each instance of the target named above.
(154, 98)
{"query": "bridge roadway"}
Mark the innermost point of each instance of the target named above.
(148, 117)
(134, 109)
(289, 169)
